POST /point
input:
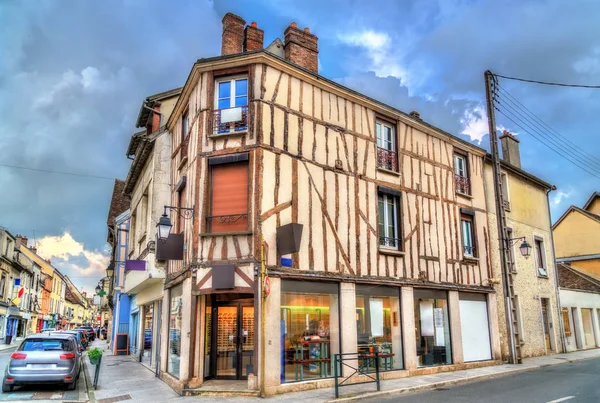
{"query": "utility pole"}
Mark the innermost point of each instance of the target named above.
(511, 312)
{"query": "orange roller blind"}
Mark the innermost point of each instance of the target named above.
(229, 197)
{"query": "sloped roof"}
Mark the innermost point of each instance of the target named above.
(118, 204)
(152, 100)
(573, 279)
(593, 216)
(591, 200)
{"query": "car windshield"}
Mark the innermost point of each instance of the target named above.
(46, 345)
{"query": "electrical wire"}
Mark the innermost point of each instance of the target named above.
(547, 82)
(541, 140)
(552, 131)
(508, 108)
(57, 172)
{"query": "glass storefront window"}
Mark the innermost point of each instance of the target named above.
(378, 326)
(432, 328)
(309, 329)
(175, 316)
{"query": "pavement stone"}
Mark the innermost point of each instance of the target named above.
(122, 375)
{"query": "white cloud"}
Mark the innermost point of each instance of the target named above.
(559, 196)
(83, 266)
(384, 58)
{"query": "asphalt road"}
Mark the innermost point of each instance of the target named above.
(577, 382)
(40, 392)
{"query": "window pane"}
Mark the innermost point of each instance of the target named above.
(390, 217)
(224, 103)
(241, 87)
(389, 138)
(378, 130)
(432, 330)
(225, 89)
(378, 326)
(310, 327)
(175, 318)
(241, 101)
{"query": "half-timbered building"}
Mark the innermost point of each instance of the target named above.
(393, 254)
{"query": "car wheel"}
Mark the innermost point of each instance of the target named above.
(6, 387)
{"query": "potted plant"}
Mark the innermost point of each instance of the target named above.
(94, 355)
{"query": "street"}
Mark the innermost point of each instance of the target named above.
(41, 392)
(574, 382)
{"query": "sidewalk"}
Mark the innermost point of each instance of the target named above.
(15, 342)
(122, 378)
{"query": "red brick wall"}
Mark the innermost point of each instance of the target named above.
(301, 48)
(233, 34)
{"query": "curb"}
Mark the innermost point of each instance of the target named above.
(88, 384)
(452, 382)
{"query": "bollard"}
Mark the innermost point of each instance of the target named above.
(97, 373)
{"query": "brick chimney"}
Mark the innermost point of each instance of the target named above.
(233, 34)
(301, 47)
(253, 37)
(510, 149)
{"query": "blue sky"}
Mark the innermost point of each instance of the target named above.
(73, 75)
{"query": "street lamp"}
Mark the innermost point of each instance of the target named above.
(164, 225)
(98, 289)
(525, 247)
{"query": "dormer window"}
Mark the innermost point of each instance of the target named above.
(231, 105)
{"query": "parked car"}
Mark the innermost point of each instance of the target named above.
(84, 337)
(44, 358)
(147, 339)
(78, 335)
(91, 332)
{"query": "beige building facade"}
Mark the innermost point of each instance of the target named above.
(535, 283)
(393, 255)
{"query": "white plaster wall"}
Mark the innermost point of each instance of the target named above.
(581, 300)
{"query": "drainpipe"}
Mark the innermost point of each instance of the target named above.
(556, 285)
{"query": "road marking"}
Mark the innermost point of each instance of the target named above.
(562, 399)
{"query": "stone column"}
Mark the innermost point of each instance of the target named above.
(349, 338)
(492, 309)
(186, 330)
(455, 328)
(596, 327)
(141, 334)
(407, 306)
(272, 335)
(578, 326)
(164, 331)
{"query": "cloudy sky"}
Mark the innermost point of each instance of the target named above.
(73, 75)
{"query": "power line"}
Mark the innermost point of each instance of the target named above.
(542, 123)
(547, 82)
(524, 126)
(595, 166)
(57, 172)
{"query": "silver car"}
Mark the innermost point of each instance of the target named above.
(44, 358)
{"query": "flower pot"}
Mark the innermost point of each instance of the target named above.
(95, 360)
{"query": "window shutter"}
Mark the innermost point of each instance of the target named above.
(229, 197)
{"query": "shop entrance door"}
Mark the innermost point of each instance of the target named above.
(233, 341)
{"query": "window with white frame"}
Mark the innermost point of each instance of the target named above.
(389, 221)
(468, 236)
(461, 174)
(231, 104)
(387, 157)
(540, 257)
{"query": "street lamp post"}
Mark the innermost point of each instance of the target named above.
(164, 225)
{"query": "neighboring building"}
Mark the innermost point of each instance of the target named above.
(117, 227)
(577, 237)
(535, 284)
(580, 300)
(148, 185)
(120, 301)
(394, 251)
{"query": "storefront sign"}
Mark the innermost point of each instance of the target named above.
(137, 265)
(27, 315)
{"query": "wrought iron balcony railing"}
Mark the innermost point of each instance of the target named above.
(227, 223)
(387, 242)
(463, 184)
(469, 251)
(230, 120)
(387, 159)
